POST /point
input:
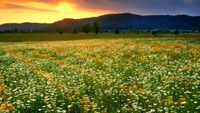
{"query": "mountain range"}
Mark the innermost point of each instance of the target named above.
(123, 21)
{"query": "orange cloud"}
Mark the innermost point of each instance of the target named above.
(40, 1)
(18, 11)
(15, 6)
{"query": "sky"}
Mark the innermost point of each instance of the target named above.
(49, 11)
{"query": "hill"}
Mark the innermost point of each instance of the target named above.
(124, 21)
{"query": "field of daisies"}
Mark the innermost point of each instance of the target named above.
(100, 76)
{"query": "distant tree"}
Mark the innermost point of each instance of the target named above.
(148, 31)
(27, 31)
(59, 31)
(86, 28)
(117, 32)
(166, 31)
(138, 32)
(176, 32)
(74, 31)
(199, 28)
(16, 30)
(159, 31)
(96, 27)
(35, 31)
(154, 33)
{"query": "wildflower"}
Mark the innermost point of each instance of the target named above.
(182, 99)
(69, 106)
(28, 101)
(77, 93)
(86, 108)
(6, 106)
(72, 97)
(92, 103)
(170, 102)
(184, 102)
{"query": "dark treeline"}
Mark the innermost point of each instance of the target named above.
(24, 31)
(87, 29)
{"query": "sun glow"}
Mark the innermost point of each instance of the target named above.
(63, 9)
(44, 13)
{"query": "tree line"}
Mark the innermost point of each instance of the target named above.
(97, 29)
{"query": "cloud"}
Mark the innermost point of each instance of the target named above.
(188, 1)
(15, 6)
(39, 1)
(133, 6)
(190, 7)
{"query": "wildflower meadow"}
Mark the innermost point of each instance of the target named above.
(140, 75)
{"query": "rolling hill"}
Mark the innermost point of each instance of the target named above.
(124, 21)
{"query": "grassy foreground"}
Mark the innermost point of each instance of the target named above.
(131, 75)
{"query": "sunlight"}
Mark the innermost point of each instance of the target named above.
(66, 6)
(48, 13)
(63, 9)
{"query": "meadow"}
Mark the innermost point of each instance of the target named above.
(105, 73)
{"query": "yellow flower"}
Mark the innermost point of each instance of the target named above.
(182, 99)
(72, 97)
(170, 97)
(165, 103)
(6, 106)
(3, 106)
(92, 103)
(85, 108)
(170, 102)
(198, 61)
(77, 93)
(104, 111)
(135, 87)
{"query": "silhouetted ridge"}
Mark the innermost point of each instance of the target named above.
(123, 21)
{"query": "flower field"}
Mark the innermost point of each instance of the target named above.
(100, 76)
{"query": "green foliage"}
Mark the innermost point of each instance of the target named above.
(154, 33)
(199, 28)
(86, 28)
(16, 30)
(176, 32)
(117, 32)
(96, 27)
(166, 31)
(59, 31)
(74, 31)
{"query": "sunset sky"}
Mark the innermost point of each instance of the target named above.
(48, 11)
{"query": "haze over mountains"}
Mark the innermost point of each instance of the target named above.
(124, 21)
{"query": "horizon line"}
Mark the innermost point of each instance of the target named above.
(103, 15)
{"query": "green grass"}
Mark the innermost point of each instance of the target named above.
(81, 73)
(67, 36)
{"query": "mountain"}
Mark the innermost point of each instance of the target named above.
(124, 21)
(23, 26)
